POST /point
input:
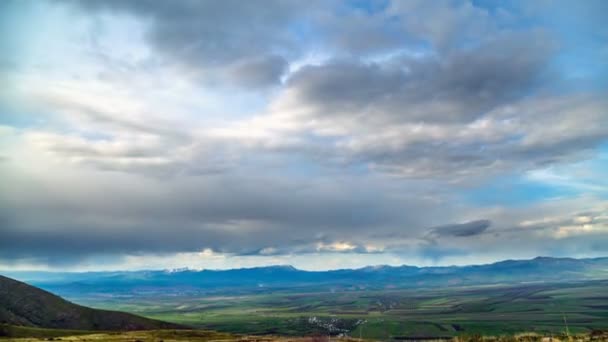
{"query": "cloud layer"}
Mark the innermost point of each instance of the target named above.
(381, 130)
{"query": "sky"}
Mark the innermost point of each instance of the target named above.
(141, 134)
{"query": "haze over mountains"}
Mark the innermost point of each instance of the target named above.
(249, 280)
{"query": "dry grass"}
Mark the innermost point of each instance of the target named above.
(210, 336)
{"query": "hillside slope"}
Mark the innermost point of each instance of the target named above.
(25, 305)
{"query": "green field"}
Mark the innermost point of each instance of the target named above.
(486, 310)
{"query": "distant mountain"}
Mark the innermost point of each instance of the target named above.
(278, 278)
(25, 305)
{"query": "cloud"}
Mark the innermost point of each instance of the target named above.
(91, 214)
(458, 87)
(258, 71)
(462, 229)
(100, 211)
(513, 136)
(445, 113)
(205, 36)
(446, 23)
(145, 129)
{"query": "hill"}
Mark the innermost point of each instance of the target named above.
(25, 305)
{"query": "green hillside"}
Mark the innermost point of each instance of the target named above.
(25, 305)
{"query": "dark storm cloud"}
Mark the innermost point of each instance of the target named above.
(438, 243)
(462, 229)
(67, 244)
(225, 214)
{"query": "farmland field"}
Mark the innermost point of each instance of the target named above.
(488, 310)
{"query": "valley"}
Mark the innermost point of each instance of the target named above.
(388, 314)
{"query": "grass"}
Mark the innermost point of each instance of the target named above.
(208, 336)
(19, 331)
(151, 335)
(483, 310)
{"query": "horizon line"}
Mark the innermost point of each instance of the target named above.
(185, 269)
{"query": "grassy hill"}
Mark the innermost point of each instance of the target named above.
(25, 305)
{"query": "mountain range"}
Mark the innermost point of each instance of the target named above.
(276, 278)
